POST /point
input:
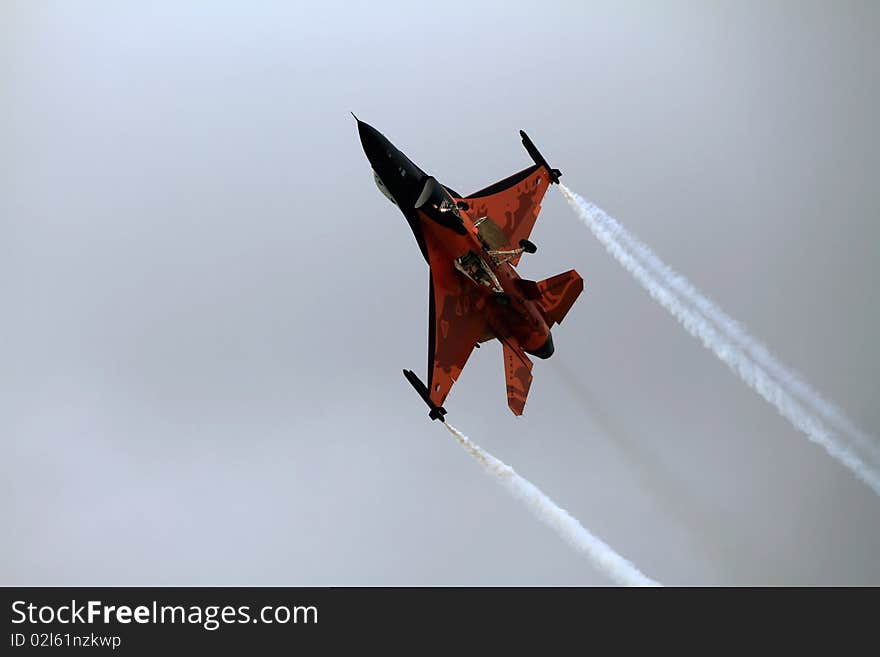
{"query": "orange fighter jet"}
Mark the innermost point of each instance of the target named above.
(472, 244)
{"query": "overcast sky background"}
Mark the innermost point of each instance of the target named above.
(207, 303)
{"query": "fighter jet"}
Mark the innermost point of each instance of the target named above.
(472, 245)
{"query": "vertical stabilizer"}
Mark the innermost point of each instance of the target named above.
(517, 375)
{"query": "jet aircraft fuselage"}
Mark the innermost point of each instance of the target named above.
(472, 245)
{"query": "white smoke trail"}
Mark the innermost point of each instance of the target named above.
(735, 358)
(790, 380)
(603, 557)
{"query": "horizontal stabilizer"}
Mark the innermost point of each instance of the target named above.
(558, 295)
(529, 289)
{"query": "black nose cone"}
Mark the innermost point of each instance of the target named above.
(403, 179)
(376, 147)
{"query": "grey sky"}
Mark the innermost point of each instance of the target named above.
(208, 303)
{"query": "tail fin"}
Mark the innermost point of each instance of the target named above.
(517, 375)
(558, 295)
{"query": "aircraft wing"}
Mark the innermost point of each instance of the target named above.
(513, 204)
(456, 322)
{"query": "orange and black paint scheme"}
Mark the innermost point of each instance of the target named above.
(472, 245)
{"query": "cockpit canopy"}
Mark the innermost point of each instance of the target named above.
(435, 200)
